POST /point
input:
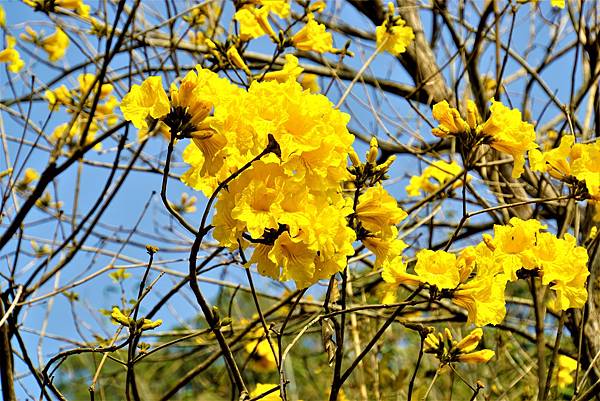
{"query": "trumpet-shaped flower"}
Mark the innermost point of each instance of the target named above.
(313, 37)
(508, 133)
(438, 268)
(149, 99)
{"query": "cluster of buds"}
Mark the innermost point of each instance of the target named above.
(448, 350)
(369, 173)
(134, 325)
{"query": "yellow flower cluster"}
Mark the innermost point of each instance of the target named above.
(253, 20)
(448, 350)
(68, 134)
(504, 130)
(54, 45)
(435, 177)
(288, 207)
(393, 35)
(514, 249)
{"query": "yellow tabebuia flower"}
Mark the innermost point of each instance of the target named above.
(313, 37)
(483, 297)
(586, 167)
(385, 246)
(508, 133)
(290, 70)
(437, 268)
(556, 162)
(149, 99)
(56, 45)
(514, 245)
(558, 3)
(434, 177)
(566, 367)
(394, 272)
(377, 210)
(2, 17)
(254, 23)
(11, 56)
(393, 35)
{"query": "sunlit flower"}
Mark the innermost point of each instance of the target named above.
(313, 37)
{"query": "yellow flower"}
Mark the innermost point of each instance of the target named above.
(313, 37)
(509, 134)
(263, 388)
(377, 210)
(254, 23)
(586, 168)
(514, 245)
(59, 96)
(296, 258)
(290, 70)
(451, 123)
(149, 99)
(55, 45)
(477, 357)
(566, 367)
(555, 161)
(393, 36)
(11, 56)
(437, 268)
(385, 246)
(394, 272)
(30, 175)
(2, 17)
(558, 3)
(434, 177)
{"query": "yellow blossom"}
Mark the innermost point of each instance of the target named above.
(2, 17)
(508, 133)
(254, 23)
(149, 99)
(566, 367)
(393, 35)
(514, 245)
(377, 210)
(394, 272)
(558, 3)
(437, 268)
(313, 37)
(586, 167)
(555, 161)
(56, 45)
(11, 56)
